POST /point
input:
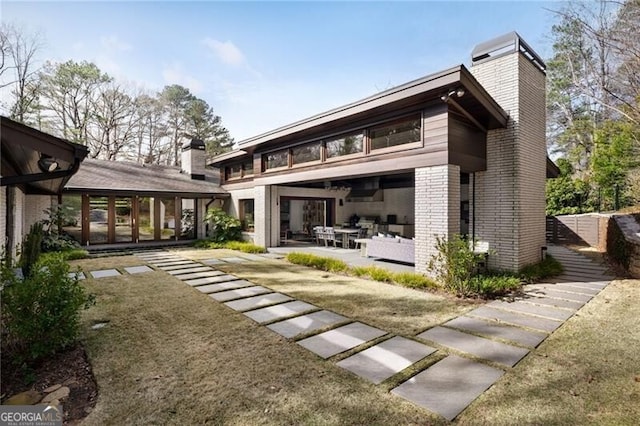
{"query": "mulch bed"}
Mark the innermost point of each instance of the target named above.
(69, 368)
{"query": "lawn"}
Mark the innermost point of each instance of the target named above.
(170, 354)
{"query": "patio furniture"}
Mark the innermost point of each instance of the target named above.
(392, 248)
(330, 236)
(345, 235)
(357, 239)
(318, 232)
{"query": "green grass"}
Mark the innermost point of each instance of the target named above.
(406, 279)
(73, 254)
(242, 246)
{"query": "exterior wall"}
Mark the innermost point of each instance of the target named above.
(262, 208)
(18, 220)
(510, 199)
(34, 210)
(398, 201)
(437, 209)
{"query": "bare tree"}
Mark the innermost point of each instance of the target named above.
(18, 66)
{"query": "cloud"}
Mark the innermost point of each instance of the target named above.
(113, 44)
(175, 74)
(226, 51)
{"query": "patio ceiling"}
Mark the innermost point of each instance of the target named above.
(41, 162)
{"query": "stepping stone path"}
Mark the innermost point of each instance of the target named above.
(138, 269)
(79, 275)
(103, 273)
(478, 347)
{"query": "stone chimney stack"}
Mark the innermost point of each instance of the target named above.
(194, 159)
(510, 194)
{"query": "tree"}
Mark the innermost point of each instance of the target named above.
(18, 66)
(203, 124)
(176, 99)
(70, 91)
(151, 130)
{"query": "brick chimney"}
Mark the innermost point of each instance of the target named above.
(510, 194)
(193, 159)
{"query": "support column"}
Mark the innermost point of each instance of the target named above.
(262, 206)
(437, 209)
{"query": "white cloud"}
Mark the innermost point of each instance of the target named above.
(175, 74)
(226, 51)
(113, 44)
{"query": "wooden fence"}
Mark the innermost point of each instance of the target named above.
(577, 229)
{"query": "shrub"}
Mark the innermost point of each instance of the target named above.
(413, 280)
(67, 255)
(322, 263)
(244, 246)
(222, 226)
(359, 271)
(31, 247)
(548, 267)
(41, 313)
(54, 240)
(494, 285)
(454, 264)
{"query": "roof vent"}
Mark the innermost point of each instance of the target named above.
(504, 45)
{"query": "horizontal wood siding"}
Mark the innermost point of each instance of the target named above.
(467, 146)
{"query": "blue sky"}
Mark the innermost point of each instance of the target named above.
(265, 64)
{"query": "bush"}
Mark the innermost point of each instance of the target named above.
(548, 267)
(413, 280)
(379, 274)
(222, 226)
(54, 240)
(67, 255)
(454, 264)
(41, 313)
(31, 247)
(244, 246)
(322, 263)
(494, 285)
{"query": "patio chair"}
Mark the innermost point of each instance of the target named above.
(318, 232)
(330, 236)
(362, 233)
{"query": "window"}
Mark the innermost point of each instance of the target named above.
(399, 132)
(247, 167)
(345, 145)
(246, 215)
(234, 171)
(306, 153)
(276, 159)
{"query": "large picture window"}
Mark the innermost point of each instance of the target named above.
(306, 153)
(276, 159)
(247, 215)
(399, 132)
(345, 145)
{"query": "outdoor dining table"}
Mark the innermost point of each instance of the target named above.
(345, 235)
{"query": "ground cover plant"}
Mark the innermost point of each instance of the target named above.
(243, 246)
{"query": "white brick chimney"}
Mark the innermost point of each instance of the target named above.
(510, 194)
(194, 159)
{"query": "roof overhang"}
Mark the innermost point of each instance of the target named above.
(553, 171)
(41, 162)
(476, 101)
(231, 155)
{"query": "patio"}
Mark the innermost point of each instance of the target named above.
(351, 257)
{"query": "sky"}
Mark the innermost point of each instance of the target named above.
(261, 65)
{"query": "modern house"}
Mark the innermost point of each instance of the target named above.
(458, 151)
(35, 166)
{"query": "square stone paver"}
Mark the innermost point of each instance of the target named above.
(273, 255)
(574, 288)
(257, 301)
(528, 308)
(479, 346)
(234, 259)
(283, 310)
(550, 291)
(79, 275)
(385, 359)
(559, 303)
(493, 329)
(514, 318)
(169, 262)
(239, 293)
(213, 262)
(449, 386)
(189, 270)
(306, 323)
(229, 285)
(103, 273)
(211, 280)
(177, 267)
(341, 339)
(194, 275)
(138, 269)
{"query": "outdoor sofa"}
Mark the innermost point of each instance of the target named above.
(391, 248)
